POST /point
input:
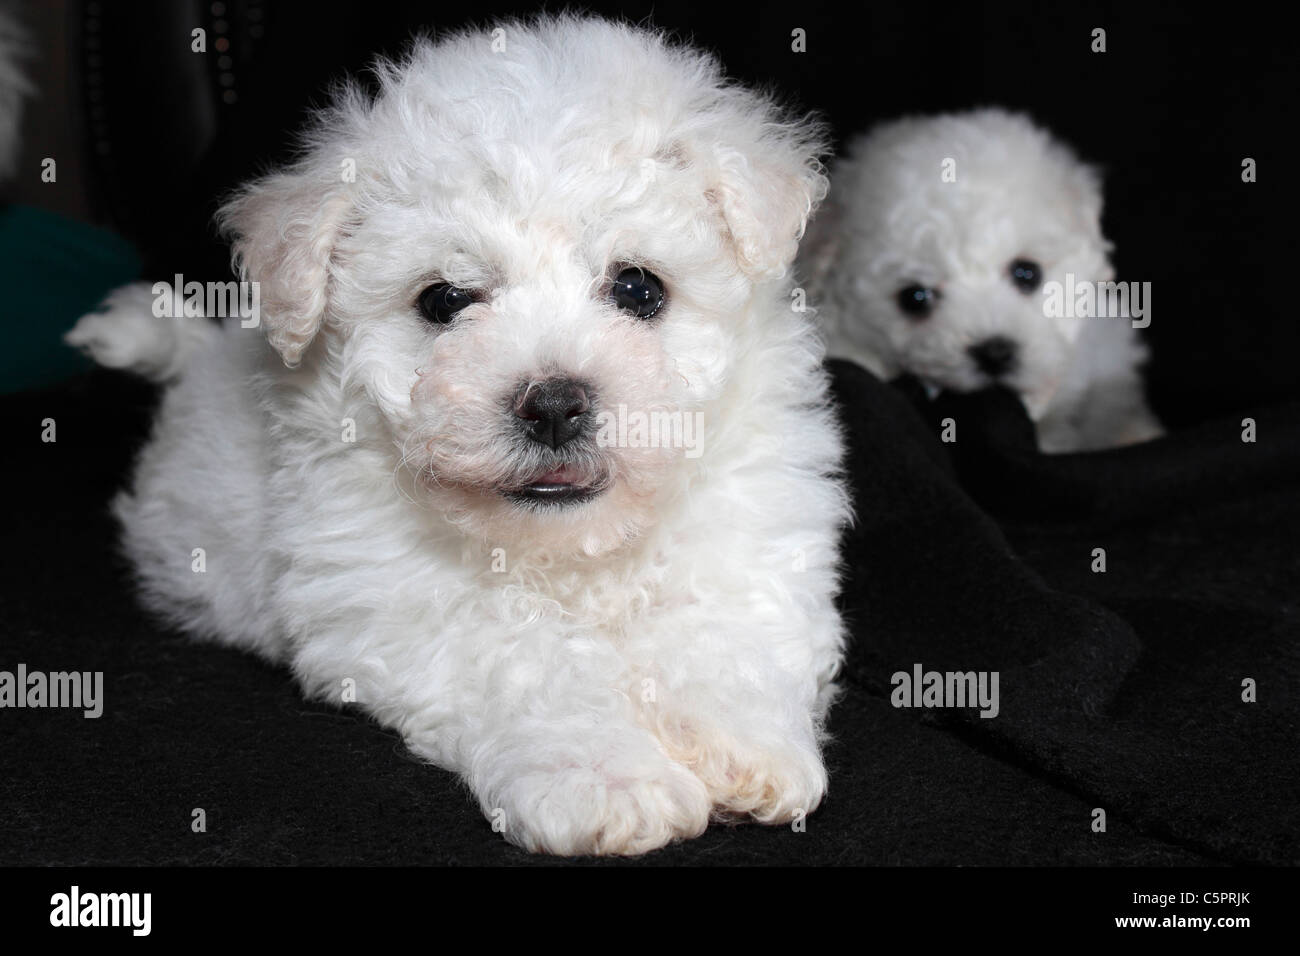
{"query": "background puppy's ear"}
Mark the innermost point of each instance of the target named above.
(766, 190)
(821, 245)
(1084, 195)
(283, 229)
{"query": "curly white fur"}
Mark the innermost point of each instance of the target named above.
(608, 675)
(894, 219)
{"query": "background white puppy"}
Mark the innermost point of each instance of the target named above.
(526, 234)
(931, 256)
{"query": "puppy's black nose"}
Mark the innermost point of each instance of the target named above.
(554, 411)
(995, 356)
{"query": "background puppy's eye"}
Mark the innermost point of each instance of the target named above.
(1026, 274)
(637, 292)
(917, 301)
(441, 301)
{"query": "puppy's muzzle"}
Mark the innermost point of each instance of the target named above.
(553, 412)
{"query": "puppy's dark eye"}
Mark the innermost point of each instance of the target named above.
(637, 292)
(440, 302)
(1026, 274)
(917, 301)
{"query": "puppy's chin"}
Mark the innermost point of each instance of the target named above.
(1036, 401)
(1037, 391)
(1036, 396)
(558, 512)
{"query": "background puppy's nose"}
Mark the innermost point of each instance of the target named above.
(995, 356)
(552, 412)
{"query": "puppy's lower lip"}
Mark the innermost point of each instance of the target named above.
(552, 494)
(562, 484)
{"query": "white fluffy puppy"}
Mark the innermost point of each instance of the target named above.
(931, 257)
(527, 235)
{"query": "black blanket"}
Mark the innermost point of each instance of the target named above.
(1120, 691)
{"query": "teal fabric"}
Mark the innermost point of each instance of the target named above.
(55, 270)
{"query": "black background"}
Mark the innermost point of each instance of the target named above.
(1182, 94)
(1130, 680)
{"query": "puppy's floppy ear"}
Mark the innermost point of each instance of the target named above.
(1084, 193)
(1084, 196)
(283, 229)
(766, 189)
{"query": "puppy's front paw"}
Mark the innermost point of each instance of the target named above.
(623, 805)
(768, 780)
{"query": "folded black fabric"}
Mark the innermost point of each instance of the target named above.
(1118, 691)
(1142, 707)
(999, 464)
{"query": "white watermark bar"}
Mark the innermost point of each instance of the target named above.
(946, 689)
(179, 299)
(1084, 299)
(621, 428)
